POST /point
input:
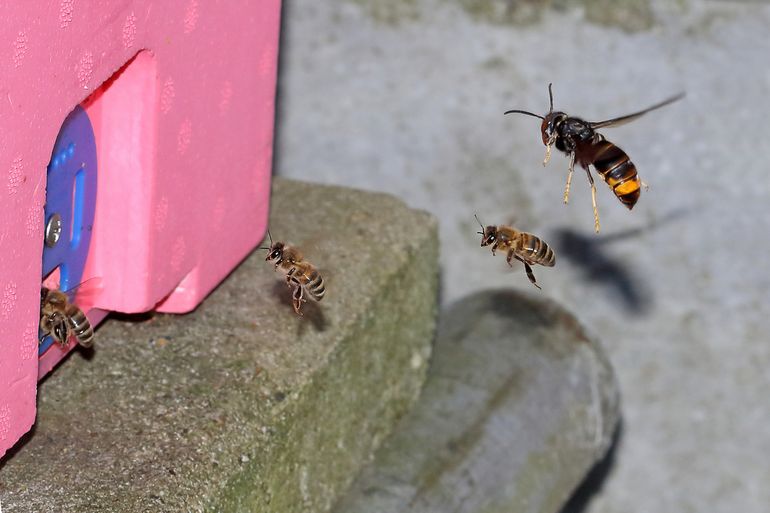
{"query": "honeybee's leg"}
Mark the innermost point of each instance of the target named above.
(569, 176)
(297, 298)
(509, 257)
(45, 328)
(593, 199)
(289, 276)
(531, 275)
(61, 333)
(528, 270)
(494, 248)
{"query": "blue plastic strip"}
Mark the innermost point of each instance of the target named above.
(71, 192)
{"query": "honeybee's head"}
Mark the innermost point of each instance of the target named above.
(488, 234)
(54, 323)
(274, 250)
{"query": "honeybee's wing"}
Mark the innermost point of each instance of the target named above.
(313, 248)
(622, 120)
(85, 292)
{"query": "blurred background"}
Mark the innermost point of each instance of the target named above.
(407, 97)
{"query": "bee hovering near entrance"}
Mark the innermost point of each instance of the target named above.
(300, 273)
(524, 247)
(579, 139)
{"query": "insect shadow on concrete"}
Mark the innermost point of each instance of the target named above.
(312, 311)
(594, 481)
(589, 253)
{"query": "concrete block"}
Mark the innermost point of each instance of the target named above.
(518, 406)
(242, 405)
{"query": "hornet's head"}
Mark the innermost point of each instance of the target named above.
(550, 125)
(550, 122)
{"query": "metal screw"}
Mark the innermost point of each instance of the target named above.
(53, 230)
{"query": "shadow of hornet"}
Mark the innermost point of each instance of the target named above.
(596, 478)
(589, 253)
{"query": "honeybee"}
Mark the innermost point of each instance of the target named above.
(524, 247)
(579, 139)
(61, 319)
(301, 274)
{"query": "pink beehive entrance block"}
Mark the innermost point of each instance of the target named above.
(181, 98)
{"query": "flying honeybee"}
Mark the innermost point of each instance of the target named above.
(301, 274)
(61, 319)
(579, 139)
(524, 247)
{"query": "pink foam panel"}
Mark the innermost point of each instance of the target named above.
(181, 98)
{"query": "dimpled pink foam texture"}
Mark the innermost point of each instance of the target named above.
(181, 98)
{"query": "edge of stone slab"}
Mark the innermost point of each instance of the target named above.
(318, 398)
(243, 414)
(566, 411)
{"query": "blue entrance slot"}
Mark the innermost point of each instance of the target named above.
(70, 203)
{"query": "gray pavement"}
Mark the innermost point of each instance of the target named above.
(407, 97)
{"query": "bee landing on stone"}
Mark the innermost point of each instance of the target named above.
(300, 274)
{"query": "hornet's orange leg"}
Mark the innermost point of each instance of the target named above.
(593, 200)
(569, 177)
(551, 140)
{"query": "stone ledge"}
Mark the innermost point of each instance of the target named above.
(242, 405)
(518, 406)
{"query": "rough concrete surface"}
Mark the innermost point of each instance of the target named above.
(518, 405)
(676, 289)
(242, 405)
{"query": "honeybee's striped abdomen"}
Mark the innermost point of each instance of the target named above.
(81, 327)
(313, 283)
(616, 168)
(537, 251)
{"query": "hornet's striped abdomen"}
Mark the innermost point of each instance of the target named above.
(616, 168)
